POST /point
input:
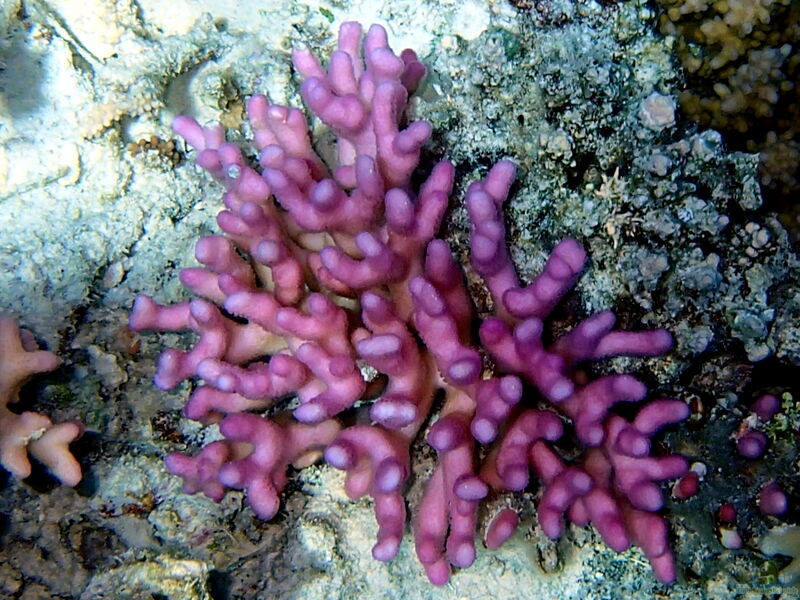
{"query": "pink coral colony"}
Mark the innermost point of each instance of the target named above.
(322, 271)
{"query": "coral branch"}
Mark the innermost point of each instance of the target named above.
(29, 432)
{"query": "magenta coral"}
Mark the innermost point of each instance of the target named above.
(30, 432)
(329, 271)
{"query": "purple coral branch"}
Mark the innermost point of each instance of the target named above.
(254, 457)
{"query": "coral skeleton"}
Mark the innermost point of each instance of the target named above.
(30, 432)
(323, 270)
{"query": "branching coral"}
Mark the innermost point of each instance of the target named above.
(323, 272)
(29, 432)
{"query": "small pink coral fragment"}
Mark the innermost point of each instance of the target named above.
(29, 432)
